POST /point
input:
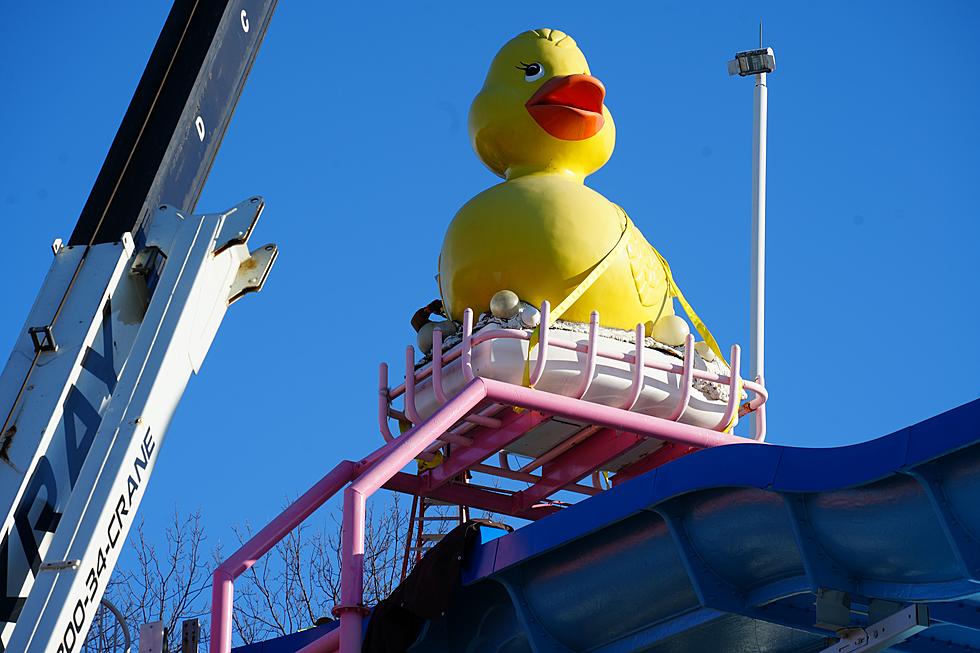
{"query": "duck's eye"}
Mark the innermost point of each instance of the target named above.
(532, 71)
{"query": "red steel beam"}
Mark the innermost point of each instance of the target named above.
(486, 442)
(576, 463)
(460, 494)
(661, 456)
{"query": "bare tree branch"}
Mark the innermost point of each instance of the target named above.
(294, 586)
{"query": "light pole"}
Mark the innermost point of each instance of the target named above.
(759, 63)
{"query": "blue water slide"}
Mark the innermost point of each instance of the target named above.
(728, 549)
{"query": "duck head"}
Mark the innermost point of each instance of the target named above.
(541, 111)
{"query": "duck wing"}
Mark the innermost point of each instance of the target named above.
(648, 268)
(655, 284)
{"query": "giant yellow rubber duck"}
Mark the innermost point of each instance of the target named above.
(540, 123)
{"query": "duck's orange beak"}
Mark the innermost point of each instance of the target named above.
(569, 107)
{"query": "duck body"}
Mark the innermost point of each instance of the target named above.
(541, 123)
(540, 235)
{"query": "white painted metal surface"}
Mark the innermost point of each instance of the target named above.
(757, 306)
(153, 637)
(84, 435)
(50, 430)
(879, 636)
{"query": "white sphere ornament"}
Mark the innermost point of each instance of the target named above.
(704, 351)
(425, 337)
(504, 304)
(671, 330)
(447, 328)
(530, 316)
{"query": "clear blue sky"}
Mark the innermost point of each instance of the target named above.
(353, 126)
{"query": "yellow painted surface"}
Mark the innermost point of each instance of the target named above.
(542, 230)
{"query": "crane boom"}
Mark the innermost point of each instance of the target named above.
(126, 313)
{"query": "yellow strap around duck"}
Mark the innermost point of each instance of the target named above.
(574, 296)
(672, 291)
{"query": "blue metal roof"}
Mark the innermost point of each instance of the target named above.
(725, 549)
(288, 643)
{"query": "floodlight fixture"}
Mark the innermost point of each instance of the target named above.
(752, 62)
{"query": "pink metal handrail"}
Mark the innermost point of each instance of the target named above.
(457, 435)
(403, 451)
(384, 402)
(608, 416)
(561, 448)
(760, 409)
(733, 392)
(469, 341)
(635, 360)
(590, 356)
(437, 389)
(466, 355)
(577, 347)
(545, 325)
(222, 589)
(581, 348)
(440, 392)
(685, 388)
(384, 464)
(410, 409)
(636, 388)
(755, 404)
(515, 475)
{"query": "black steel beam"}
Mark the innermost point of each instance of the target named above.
(172, 130)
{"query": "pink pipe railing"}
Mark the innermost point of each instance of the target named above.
(636, 360)
(437, 389)
(685, 382)
(512, 334)
(395, 455)
(405, 449)
(384, 463)
(369, 475)
(608, 416)
(513, 427)
(222, 589)
(410, 409)
(384, 402)
(440, 392)
(459, 435)
(578, 463)
(760, 413)
(545, 325)
(638, 367)
(561, 448)
(515, 475)
(465, 353)
(590, 356)
(733, 391)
